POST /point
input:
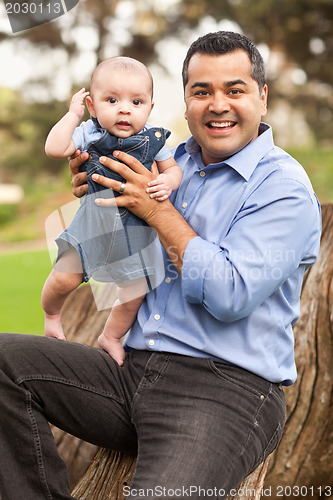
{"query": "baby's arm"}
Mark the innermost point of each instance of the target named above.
(59, 142)
(167, 181)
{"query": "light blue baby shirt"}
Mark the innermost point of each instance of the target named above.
(258, 223)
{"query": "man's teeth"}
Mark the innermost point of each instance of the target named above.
(220, 125)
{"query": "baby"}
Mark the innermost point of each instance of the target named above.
(109, 244)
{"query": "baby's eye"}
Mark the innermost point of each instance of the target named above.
(137, 102)
(112, 100)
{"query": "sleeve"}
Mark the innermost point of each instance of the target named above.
(276, 231)
(84, 135)
(163, 154)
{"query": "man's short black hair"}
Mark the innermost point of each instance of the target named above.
(224, 42)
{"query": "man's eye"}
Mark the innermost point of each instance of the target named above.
(137, 102)
(235, 92)
(112, 100)
(202, 92)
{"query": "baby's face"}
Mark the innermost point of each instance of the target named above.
(121, 101)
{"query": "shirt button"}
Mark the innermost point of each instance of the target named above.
(184, 205)
(157, 317)
(202, 173)
(168, 280)
(151, 342)
(262, 397)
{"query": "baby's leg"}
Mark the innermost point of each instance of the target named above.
(62, 280)
(122, 317)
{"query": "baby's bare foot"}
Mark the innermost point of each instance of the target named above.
(113, 347)
(53, 326)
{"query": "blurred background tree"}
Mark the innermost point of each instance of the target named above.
(296, 37)
(44, 65)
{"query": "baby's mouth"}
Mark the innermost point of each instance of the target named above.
(123, 123)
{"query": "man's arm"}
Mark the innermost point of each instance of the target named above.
(271, 237)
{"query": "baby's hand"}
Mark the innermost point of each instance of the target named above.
(77, 103)
(160, 188)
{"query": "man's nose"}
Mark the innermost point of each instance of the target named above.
(219, 103)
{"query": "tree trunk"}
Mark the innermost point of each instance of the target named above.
(111, 471)
(304, 458)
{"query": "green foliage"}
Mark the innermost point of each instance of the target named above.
(318, 163)
(8, 213)
(42, 195)
(23, 130)
(22, 279)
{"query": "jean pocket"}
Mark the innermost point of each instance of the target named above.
(241, 378)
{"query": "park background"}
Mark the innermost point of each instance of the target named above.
(41, 68)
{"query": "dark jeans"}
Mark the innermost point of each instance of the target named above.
(197, 425)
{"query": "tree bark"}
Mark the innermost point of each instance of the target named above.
(304, 458)
(111, 471)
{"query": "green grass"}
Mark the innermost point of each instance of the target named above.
(22, 279)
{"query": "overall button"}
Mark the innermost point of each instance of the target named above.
(168, 280)
(202, 173)
(151, 342)
(184, 205)
(157, 317)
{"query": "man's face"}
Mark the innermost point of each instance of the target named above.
(223, 104)
(121, 101)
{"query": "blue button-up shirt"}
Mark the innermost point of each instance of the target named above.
(258, 224)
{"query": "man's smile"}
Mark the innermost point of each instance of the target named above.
(219, 125)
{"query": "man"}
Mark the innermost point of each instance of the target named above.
(199, 395)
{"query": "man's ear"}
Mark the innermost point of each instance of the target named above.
(152, 105)
(264, 95)
(90, 106)
(185, 115)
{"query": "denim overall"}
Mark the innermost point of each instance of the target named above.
(113, 243)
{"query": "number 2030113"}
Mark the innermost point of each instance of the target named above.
(33, 8)
(303, 491)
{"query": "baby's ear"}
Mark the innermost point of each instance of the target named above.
(90, 106)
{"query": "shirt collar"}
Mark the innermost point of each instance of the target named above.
(245, 161)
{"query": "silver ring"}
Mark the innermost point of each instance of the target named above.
(122, 187)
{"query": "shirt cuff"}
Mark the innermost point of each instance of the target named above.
(197, 257)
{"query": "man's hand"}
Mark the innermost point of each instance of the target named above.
(134, 196)
(79, 179)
